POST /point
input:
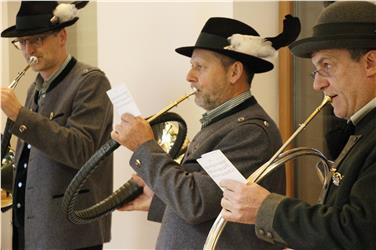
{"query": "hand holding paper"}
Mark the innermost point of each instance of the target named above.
(131, 131)
(123, 101)
(218, 167)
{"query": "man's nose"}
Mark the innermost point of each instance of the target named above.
(29, 47)
(320, 83)
(190, 76)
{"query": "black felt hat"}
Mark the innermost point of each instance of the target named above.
(341, 25)
(221, 35)
(36, 17)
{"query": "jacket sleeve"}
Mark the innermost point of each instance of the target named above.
(300, 225)
(73, 142)
(156, 211)
(193, 195)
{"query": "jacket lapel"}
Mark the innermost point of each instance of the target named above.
(353, 140)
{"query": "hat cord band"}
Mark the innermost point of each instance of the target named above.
(33, 22)
(211, 41)
(331, 29)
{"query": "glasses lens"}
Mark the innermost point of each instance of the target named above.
(17, 44)
(313, 74)
(36, 42)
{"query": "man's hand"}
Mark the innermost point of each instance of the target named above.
(132, 132)
(241, 202)
(9, 103)
(143, 201)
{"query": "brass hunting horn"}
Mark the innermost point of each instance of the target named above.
(7, 154)
(277, 160)
(130, 190)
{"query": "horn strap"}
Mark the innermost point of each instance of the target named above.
(330, 29)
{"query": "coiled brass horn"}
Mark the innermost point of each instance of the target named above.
(130, 190)
(277, 160)
(7, 154)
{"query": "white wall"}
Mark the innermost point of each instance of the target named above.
(134, 42)
(263, 17)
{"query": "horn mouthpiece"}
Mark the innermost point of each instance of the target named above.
(33, 60)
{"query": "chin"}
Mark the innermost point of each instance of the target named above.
(198, 101)
(340, 114)
(37, 68)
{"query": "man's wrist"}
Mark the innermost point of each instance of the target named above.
(265, 217)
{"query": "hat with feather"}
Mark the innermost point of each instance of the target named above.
(241, 42)
(341, 25)
(36, 17)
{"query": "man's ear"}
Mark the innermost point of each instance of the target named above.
(62, 36)
(370, 60)
(236, 71)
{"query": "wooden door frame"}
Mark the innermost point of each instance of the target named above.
(286, 85)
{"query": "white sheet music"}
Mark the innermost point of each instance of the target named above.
(219, 167)
(123, 101)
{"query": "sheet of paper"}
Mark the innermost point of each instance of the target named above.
(218, 167)
(123, 101)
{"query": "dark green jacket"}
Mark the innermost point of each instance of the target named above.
(347, 219)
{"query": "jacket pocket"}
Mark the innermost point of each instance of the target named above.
(83, 191)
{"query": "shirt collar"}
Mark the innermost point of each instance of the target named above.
(42, 86)
(228, 105)
(355, 118)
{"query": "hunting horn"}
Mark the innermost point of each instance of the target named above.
(277, 160)
(126, 193)
(7, 154)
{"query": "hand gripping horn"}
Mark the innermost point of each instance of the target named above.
(130, 190)
(5, 139)
(7, 154)
(277, 160)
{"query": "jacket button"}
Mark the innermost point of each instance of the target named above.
(261, 231)
(22, 128)
(138, 163)
(269, 235)
(266, 124)
(240, 119)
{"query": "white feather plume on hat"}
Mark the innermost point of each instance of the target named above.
(65, 12)
(251, 45)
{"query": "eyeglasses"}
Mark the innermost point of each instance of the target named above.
(35, 41)
(325, 71)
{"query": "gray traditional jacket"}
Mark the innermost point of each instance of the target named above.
(347, 218)
(187, 200)
(71, 123)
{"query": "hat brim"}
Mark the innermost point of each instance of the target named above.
(255, 64)
(13, 32)
(305, 47)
